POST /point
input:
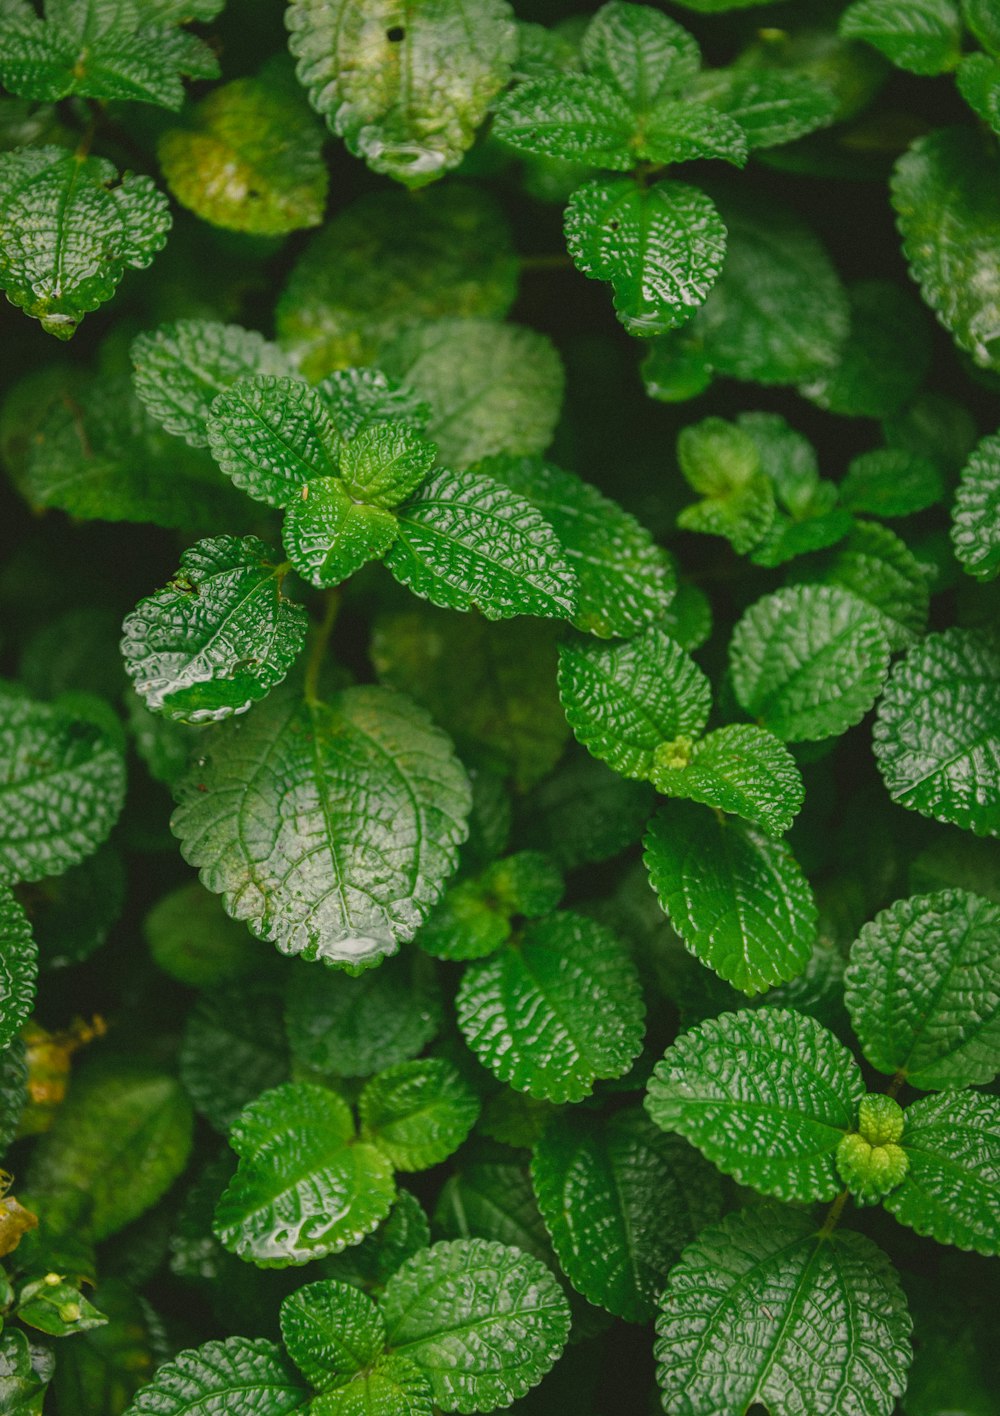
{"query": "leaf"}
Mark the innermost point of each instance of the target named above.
(18, 968)
(218, 636)
(951, 1191)
(575, 117)
(808, 662)
(982, 21)
(357, 397)
(71, 227)
(417, 1113)
(923, 990)
(385, 462)
(105, 1369)
(740, 769)
(766, 1094)
(642, 53)
(491, 387)
(305, 1187)
(179, 369)
(624, 701)
(392, 1386)
(25, 1372)
(372, 1262)
(407, 86)
(477, 916)
(388, 261)
(661, 247)
(978, 80)
(556, 1010)
(947, 201)
(329, 536)
(63, 784)
(625, 579)
(923, 36)
(721, 461)
(331, 1329)
(937, 732)
(680, 131)
(620, 1200)
(373, 805)
(975, 516)
(482, 1321)
(771, 106)
(241, 1376)
(192, 939)
(272, 435)
(584, 812)
(233, 1048)
(763, 1308)
(121, 1137)
(737, 898)
(13, 1090)
(493, 1199)
(891, 482)
(465, 541)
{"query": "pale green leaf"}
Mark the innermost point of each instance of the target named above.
(328, 535)
(890, 481)
(391, 1386)
(923, 36)
(241, 1377)
(271, 435)
(385, 463)
(788, 458)
(18, 967)
(642, 53)
(723, 462)
(740, 769)
(417, 1113)
(330, 1330)
(975, 517)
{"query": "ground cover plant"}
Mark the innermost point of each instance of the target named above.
(500, 707)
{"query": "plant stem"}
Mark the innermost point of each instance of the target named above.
(317, 650)
(833, 1214)
(895, 1084)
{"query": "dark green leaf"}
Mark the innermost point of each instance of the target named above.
(331, 1330)
(271, 435)
(975, 517)
(924, 36)
(18, 968)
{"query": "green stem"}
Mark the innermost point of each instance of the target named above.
(833, 1214)
(317, 651)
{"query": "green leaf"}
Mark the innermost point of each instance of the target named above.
(372, 1262)
(808, 662)
(982, 20)
(18, 968)
(364, 778)
(789, 459)
(304, 1187)
(923, 36)
(764, 1309)
(584, 812)
(352, 1027)
(25, 1373)
(233, 1048)
(328, 535)
(740, 769)
(946, 194)
(680, 131)
(737, 898)
(272, 435)
(640, 52)
(493, 1199)
(63, 785)
(57, 1309)
(417, 1113)
(476, 916)
(923, 990)
(392, 1386)
(937, 734)
(72, 227)
(98, 1375)
(771, 106)
(193, 940)
(624, 701)
(385, 463)
(766, 1094)
(250, 158)
(389, 261)
(13, 1090)
(405, 87)
(122, 1137)
(975, 517)
(891, 482)
(357, 397)
(180, 368)
(218, 636)
(575, 117)
(556, 1010)
(620, 1200)
(978, 79)
(721, 461)
(240, 1376)
(482, 1321)
(661, 247)
(491, 387)
(466, 541)
(331, 1329)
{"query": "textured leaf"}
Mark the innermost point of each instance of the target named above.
(809, 661)
(406, 86)
(304, 1187)
(764, 1309)
(465, 541)
(476, 916)
(876, 566)
(923, 990)
(13, 1090)
(570, 116)
(737, 898)
(328, 828)
(620, 1200)
(271, 435)
(978, 80)
(331, 1329)
(392, 1386)
(240, 1376)
(218, 636)
(556, 1010)
(975, 517)
(771, 106)
(328, 535)
(642, 53)
(482, 1321)
(193, 940)
(584, 812)
(233, 1048)
(891, 482)
(385, 463)
(70, 229)
(417, 1113)
(740, 769)
(63, 784)
(923, 36)
(357, 397)
(946, 193)
(680, 131)
(625, 701)
(372, 1262)
(25, 1373)
(661, 247)
(952, 1187)
(722, 461)
(766, 1094)
(18, 967)
(493, 1199)
(937, 733)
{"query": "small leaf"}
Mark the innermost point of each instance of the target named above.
(680, 131)
(923, 990)
(890, 482)
(18, 968)
(391, 1386)
(975, 517)
(192, 939)
(809, 661)
(740, 769)
(978, 80)
(385, 463)
(721, 461)
(482, 1321)
(493, 1199)
(331, 1330)
(644, 54)
(476, 916)
(328, 535)
(417, 1113)
(240, 1375)
(764, 1309)
(771, 106)
(271, 435)
(573, 117)
(371, 1263)
(357, 397)
(923, 36)
(556, 1010)
(737, 898)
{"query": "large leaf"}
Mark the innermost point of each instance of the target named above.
(764, 1309)
(740, 769)
(18, 967)
(331, 1329)
(923, 36)
(418, 1113)
(642, 53)
(405, 85)
(975, 517)
(556, 1010)
(271, 435)
(328, 827)
(923, 990)
(240, 1376)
